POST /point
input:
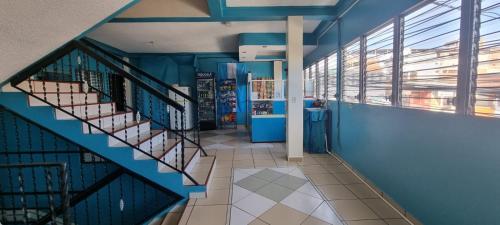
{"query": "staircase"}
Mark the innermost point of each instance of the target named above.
(117, 112)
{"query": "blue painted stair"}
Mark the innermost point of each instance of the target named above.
(98, 144)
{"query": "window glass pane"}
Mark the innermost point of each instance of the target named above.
(332, 76)
(309, 84)
(321, 79)
(430, 56)
(314, 79)
(350, 72)
(488, 71)
(379, 47)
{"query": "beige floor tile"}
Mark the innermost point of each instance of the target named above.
(366, 222)
(224, 163)
(313, 169)
(208, 215)
(396, 222)
(221, 172)
(257, 222)
(347, 178)
(336, 168)
(246, 156)
(214, 197)
(191, 201)
(362, 191)
(219, 183)
(336, 192)
(309, 161)
(283, 215)
(185, 215)
(262, 156)
(327, 160)
(247, 163)
(382, 209)
(313, 221)
(264, 163)
(353, 210)
(323, 178)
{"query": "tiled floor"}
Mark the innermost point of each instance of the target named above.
(255, 184)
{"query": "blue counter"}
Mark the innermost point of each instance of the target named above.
(268, 128)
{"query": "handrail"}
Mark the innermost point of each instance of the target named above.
(142, 72)
(45, 61)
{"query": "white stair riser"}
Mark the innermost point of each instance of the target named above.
(64, 99)
(79, 111)
(108, 121)
(131, 132)
(138, 154)
(37, 86)
(156, 140)
(193, 162)
(170, 157)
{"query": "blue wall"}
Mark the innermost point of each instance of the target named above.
(181, 68)
(442, 168)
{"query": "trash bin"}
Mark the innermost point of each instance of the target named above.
(315, 130)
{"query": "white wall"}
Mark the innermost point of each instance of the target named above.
(30, 29)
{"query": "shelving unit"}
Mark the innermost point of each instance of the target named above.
(227, 104)
(267, 109)
(205, 84)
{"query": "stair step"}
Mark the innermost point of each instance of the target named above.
(159, 151)
(64, 98)
(131, 129)
(50, 86)
(201, 173)
(85, 111)
(107, 119)
(191, 156)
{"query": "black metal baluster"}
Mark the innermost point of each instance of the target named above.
(64, 194)
(23, 196)
(122, 202)
(71, 84)
(163, 119)
(182, 139)
(50, 196)
(87, 83)
(98, 217)
(111, 83)
(125, 108)
(6, 149)
(176, 138)
(110, 207)
(151, 125)
(83, 187)
(43, 85)
(32, 160)
(56, 72)
(3, 206)
(99, 105)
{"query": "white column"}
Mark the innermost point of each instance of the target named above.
(295, 101)
(278, 76)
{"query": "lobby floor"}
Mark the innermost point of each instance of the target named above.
(253, 183)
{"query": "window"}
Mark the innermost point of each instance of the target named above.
(332, 76)
(488, 72)
(350, 72)
(430, 56)
(379, 57)
(321, 79)
(308, 84)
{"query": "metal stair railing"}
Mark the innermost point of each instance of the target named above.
(105, 91)
(184, 99)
